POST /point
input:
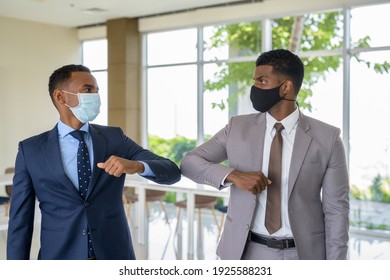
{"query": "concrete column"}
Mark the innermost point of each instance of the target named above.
(124, 81)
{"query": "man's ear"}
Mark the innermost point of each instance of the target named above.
(288, 87)
(58, 97)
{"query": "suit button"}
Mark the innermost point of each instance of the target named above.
(84, 231)
(247, 227)
(86, 203)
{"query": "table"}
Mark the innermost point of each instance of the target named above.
(184, 186)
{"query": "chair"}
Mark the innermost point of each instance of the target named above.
(5, 200)
(223, 209)
(130, 198)
(201, 202)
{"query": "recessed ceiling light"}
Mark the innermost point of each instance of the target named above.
(94, 10)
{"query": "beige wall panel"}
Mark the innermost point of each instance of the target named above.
(29, 53)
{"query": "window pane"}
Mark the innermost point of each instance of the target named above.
(227, 86)
(95, 54)
(172, 47)
(371, 22)
(234, 40)
(215, 107)
(172, 100)
(370, 134)
(316, 31)
(101, 78)
(326, 88)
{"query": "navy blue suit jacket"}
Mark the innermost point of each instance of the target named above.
(39, 173)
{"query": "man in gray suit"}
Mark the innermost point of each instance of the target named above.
(312, 219)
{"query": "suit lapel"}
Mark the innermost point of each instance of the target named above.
(99, 150)
(258, 136)
(301, 145)
(51, 152)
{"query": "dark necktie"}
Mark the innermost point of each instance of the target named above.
(83, 164)
(84, 174)
(273, 219)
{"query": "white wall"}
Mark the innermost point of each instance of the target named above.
(29, 53)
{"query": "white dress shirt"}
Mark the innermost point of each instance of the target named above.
(288, 133)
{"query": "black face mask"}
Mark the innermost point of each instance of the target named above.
(265, 99)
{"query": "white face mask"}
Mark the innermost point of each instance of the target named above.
(88, 107)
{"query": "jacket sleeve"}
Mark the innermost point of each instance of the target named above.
(336, 202)
(203, 164)
(21, 220)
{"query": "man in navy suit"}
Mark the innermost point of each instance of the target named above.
(46, 170)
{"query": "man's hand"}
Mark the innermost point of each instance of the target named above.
(254, 182)
(117, 166)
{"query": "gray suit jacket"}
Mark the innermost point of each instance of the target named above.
(318, 185)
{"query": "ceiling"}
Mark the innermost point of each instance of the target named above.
(76, 13)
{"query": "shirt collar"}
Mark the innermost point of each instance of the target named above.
(288, 122)
(64, 130)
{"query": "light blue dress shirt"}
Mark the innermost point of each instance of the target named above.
(68, 148)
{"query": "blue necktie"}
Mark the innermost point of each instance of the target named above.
(84, 174)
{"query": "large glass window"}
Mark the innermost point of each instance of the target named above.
(369, 136)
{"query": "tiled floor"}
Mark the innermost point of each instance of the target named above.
(163, 243)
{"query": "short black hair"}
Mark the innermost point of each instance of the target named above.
(286, 63)
(63, 74)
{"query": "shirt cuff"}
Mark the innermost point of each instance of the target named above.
(226, 184)
(147, 172)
